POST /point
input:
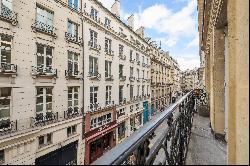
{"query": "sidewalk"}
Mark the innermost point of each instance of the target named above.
(203, 148)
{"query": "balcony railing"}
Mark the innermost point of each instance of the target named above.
(109, 52)
(73, 38)
(94, 46)
(132, 60)
(122, 78)
(44, 28)
(42, 119)
(73, 74)
(135, 150)
(44, 71)
(94, 75)
(6, 125)
(109, 78)
(122, 57)
(8, 15)
(7, 68)
(132, 79)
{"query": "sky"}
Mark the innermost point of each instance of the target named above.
(174, 23)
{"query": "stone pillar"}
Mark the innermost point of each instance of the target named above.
(238, 113)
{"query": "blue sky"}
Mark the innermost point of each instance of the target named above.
(173, 22)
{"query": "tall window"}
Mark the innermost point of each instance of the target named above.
(137, 57)
(5, 49)
(131, 92)
(107, 22)
(73, 62)
(44, 56)
(143, 88)
(108, 95)
(121, 93)
(138, 73)
(5, 95)
(131, 55)
(121, 49)
(131, 71)
(44, 100)
(147, 89)
(93, 39)
(143, 74)
(73, 97)
(93, 66)
(108, 45)
(138, 90)
(44, 18)
(94, 14)
(108, 68)
(44, 140)
(93, 97)
(73, 4)
(73, 29)
(121, 70)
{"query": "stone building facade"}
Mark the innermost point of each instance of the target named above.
(224, 38)
(190, 79)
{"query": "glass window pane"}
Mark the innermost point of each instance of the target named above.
(39, 107)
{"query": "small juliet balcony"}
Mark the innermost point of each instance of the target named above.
(70, 74)
(6, 125)
(72, 112)
(93, 107)
(109, 78)
(45, 119)
(8, 15)
(122, 78)
(94, 76)
(110, 53)
(8, 69)
(122, 57)
(94, 46)
(132, 61)
(131, 79)
(41, 27)
(122, 101)
(73, 38)
(42, 71)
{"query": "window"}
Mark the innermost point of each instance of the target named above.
(131, 108)
(93, 39)
(71, 130)
(137, 57)
(143, 87)
(44, 57)
(5, 49)
(73, 62)
(94, 14)
(143, 74)
(5, 96)
(108, 95)
(93, 97)
(131, 71)
(73, 4)
(138, 73)
(101, 120)
(138, 90)
(44, 18)
(121, 130)
(2, 156)
(107, 22)
(121, 112)
(45, 140)
(108, 46)
(93, 123)
(131, 55)
(73, 29)
(121, 70)
(121, 93)
(131, 92)
(7, 5)
(121, 50)
(73, 97)
(108, 69)
(43, 100)
(93, 66)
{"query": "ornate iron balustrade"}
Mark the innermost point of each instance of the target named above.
(44, 71)
(94, 107)
(94, 75)
(7, 126)
(122, 78)
(174, 140)
(72, 112)
(73, 74)
(44, 119)
(73, 38)
(109, 78)
(8, 15)
(110, 53)
(94, 46)
(8, 68)
(44, 28)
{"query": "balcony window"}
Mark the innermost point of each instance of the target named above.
(143, 88)
(121, 131)
(44, 19)
(2, 158)
(107, 22)
(108, 69)
(73, 30)
(108, 95)
(71, 130)
(138, 90)
(121, 70)
(93, 66)
(131, 92)
(93, 123)
(121, 50)
(93, 39)
(121, 93)
(5, 96)
(131, 71)
(73, 4)
(93, 97)
(44, 140)
(131, 55)
(43, 100)
(44, 57)
(5, 49)
(73, 62)
(108, 45)
(94, 14)
(7, 13)
(73, 98)
(143, 74)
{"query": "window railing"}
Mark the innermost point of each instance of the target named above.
(135, 150)
(122, 57)
(44, 28)
(7, 68)
(132, 79)
(73, 74)
(94, 75)
(6, 125)
(44, 71)
(94, 45)
(109, 52)
(94, 107)
(73, 38)
(122, 78)
(8, 15)
(109, 78)
(72, 112)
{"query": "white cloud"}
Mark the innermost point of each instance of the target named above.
(194, 42)
(188, 63)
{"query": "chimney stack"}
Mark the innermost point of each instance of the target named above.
(131, 21)
(140, 31)
(115, 9)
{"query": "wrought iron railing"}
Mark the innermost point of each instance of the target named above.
(141, 148)
(43, 71)
(73, 38)
(73, 74)
(8, 68)
(44, 28)
(8, 15)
